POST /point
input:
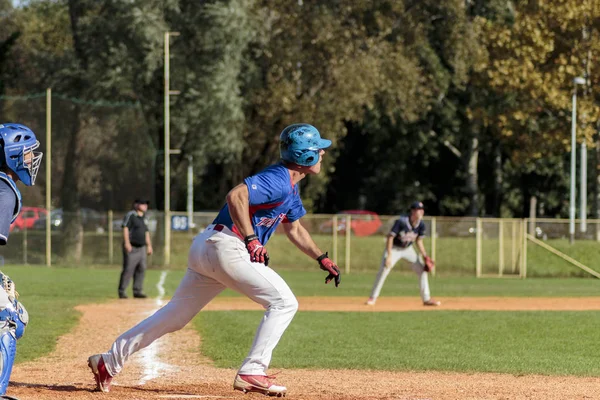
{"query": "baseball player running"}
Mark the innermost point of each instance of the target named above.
(18, 161)
(230, 253)
(406, 230)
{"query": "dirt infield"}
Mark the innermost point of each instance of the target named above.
(172, 367)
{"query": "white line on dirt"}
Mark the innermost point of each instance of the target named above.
(161, 288)
(153, 367)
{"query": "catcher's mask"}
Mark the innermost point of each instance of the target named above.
(18, 144)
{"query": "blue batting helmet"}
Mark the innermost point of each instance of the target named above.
(300, 144)
(18, 143)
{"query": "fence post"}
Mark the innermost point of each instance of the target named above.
(501, 247)
(433, 240)
(348, 234)
(110, 237)
(513, 239)
(523, 272)
(478, 247)
(335, 239)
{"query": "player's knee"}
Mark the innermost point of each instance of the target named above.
(14, 319)
(177, 325)
(21, 319)
(284, 303)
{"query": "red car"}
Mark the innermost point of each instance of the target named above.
(363, 223)
(27, 218)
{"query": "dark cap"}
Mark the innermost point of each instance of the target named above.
(141, 201)
(417, 205)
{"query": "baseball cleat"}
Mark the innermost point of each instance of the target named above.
(259, 384)
(432, 302)
(103, 378)
(370, 302)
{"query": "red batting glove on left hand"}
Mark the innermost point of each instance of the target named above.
(257, 251)
(329, 266)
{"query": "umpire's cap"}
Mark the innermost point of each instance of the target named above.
(417, 205)
(141, 201)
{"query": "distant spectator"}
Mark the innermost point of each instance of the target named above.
(136, 245)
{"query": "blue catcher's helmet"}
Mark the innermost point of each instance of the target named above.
(18, 143)
(300, 144)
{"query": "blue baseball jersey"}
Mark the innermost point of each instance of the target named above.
(10, 205)
(273, 199)
(404, 233)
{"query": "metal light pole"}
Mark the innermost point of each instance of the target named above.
(583, 189)
(190, 191)
(167, 152)
(576, 81)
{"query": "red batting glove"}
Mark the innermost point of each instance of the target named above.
(329, 266)
(257, 251)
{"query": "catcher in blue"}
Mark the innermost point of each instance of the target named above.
(18, 161)
(407, 229)
(231, 253)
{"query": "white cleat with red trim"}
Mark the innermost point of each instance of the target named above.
(258, 383)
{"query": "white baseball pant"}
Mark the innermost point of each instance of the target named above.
(217, 260)
(409, 254)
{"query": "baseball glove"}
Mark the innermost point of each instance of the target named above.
(9, 287)
(429, 264)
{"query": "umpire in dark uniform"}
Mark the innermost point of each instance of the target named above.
(136, 245)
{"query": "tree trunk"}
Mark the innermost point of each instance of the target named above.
(472, 184)
(5, 48)
(498, 181)
(71, 228)
(159, 182)
(71, 247)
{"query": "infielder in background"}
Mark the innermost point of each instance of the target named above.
(406, 230)
(18, 161)
(230, 253)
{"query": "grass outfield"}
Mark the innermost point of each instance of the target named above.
(516, 342)
(562, 343)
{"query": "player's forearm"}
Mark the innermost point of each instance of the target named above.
(421, 247)
(148, 241)
(239, 209)
(126, 236)
(300, 237)
(389, 244)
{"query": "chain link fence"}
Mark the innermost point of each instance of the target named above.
(461, 246)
